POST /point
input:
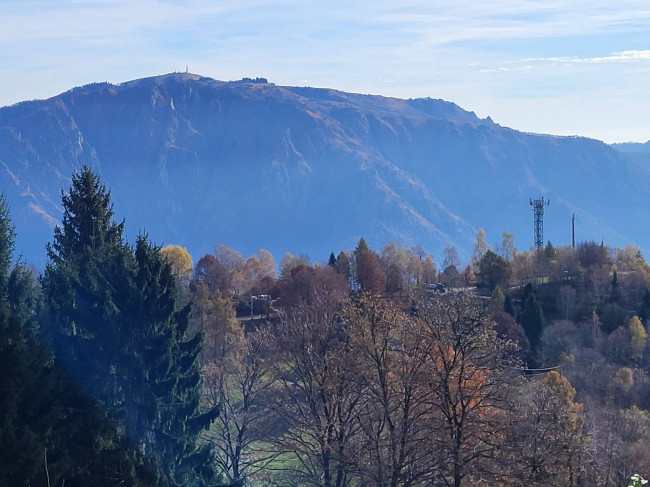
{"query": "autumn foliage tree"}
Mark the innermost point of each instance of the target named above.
(212, 274)
(304, 283)
(214, 316)
(180, 260)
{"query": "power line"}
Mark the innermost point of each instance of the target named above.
(545, 370)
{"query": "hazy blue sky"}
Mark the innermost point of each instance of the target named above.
(552, 66)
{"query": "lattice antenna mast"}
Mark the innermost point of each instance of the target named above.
(538, 210)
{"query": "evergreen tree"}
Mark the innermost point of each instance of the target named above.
(369, 274)
(84, 280)
(615, 292)
(26, 415)
(528, 290)
(494, 270)
(116, 327)
(497, 300)
(509, 305)
(88, 224)
(332, 261)
(549, 251)
(343, 265)
(7, 239)
(532, 320)
(361, 247)
(50, 434)
(612, 316)
(85, 288)
(644, 308)
(26, 418)
(166, 394)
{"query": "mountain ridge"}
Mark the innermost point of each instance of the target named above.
(197, 162)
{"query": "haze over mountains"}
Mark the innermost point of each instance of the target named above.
(196, 162)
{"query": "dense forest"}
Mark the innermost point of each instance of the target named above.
(126, 364)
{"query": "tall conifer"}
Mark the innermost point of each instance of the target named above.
(532, 320)
(89, 267)
(119, 329)
(166, 393)
(21, 408)
(7, 238)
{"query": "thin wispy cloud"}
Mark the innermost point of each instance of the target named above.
(618, 57)
(632, 56)
(473, 21)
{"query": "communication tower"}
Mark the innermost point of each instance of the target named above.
(538, 210)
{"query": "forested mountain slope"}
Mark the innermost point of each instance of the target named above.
(196, 162)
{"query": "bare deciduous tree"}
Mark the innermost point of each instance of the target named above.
(392, 447)
(240, 384)
(468, 365)
(316, 371)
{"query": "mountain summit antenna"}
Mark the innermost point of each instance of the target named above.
(538, 210)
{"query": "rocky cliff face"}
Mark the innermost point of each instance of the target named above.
(196, 162)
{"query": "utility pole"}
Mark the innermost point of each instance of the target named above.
(538, 210)
(573, 231)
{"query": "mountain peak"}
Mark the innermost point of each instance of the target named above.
(196, 162)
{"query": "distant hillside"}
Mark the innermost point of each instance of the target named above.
(633, 147)
(196, 162)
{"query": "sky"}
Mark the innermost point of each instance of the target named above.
(564, 67)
